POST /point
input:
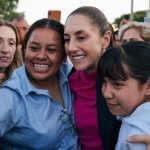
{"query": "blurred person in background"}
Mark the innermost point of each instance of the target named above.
(9, 55)
(21, 23)
(134, 31)
(124, 20)
(22, 27)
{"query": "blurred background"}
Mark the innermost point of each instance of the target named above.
(115, 10)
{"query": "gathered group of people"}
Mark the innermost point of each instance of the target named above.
(72, 86)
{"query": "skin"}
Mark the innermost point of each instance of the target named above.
(131, 34)
(22, 25)
(140, 139)
(43, 57)
(120, 98)
(7, 47)
(83, 43)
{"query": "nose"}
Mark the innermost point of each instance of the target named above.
(107, 91)
(42, 54)
(4, 48)
(71, 46)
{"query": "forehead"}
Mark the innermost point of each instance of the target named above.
(131, 32)
(6, 31)
(20, 23)
(45, 35)
(78, 22)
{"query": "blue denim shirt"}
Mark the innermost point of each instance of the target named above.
(31, 119)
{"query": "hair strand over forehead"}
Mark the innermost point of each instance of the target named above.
(130, 59)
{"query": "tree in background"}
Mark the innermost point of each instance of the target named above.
(8, 9)
(138, 16)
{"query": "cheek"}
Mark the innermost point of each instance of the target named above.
(103, 88)
(29, 55)
(98, 46)
(126, 104)
(56, 58)
(13, 53)
(66, 48)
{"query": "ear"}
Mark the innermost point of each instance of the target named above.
(106, 39)
(147, 87)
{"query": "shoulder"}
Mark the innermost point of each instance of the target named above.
(9, 101)
(139, 120)
(17, 80)
(8, 94)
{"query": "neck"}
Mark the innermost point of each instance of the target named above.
(44, 84)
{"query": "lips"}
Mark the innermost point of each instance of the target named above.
(4, 58)
(111, 103)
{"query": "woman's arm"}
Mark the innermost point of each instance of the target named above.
(140, 139)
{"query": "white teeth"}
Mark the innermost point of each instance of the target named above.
(41, 67)
(4, 58)
(78, 57)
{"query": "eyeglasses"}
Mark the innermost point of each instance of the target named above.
(65, 117)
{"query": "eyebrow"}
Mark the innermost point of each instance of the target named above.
(32, 42)
(13, 39)
(76, 33)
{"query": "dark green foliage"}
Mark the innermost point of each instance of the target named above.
(138, 16)
(8, 9)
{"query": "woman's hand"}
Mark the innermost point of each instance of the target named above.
(140, 139)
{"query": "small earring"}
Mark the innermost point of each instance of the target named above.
(104, 50)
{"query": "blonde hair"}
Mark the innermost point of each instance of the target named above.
(17, 60)
(142, 27)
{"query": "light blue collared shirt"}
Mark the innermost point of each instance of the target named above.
(135, 124)
(31, 119)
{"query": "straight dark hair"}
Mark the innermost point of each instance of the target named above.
(46, 23)
(129, 59)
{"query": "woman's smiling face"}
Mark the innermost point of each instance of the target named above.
(83, 42)
(44, 54)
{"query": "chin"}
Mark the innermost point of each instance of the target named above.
(80, 68)
(115, 113)
(38, 78)
(118, 114)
